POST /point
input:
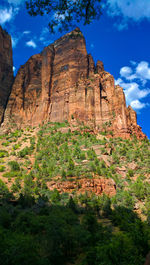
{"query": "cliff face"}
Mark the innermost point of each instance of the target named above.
(62, 83)
(6, 70)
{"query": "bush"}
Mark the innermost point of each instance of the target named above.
(25, 151)
(16, 146)
(130, 173)
(4, 192)
(11, 174)
(2, 168)
(6, 143)
(63, 173)
(71, 164)
(3, 153)
(14, 165)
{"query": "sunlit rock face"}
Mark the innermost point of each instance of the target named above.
(6, 70)
(63, 83)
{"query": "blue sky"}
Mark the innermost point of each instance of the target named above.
(121, 39)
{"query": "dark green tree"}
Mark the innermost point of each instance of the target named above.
(65, 14)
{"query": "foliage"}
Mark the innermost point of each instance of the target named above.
(14, 165)
(2, 168)
(40, 233)
(40, 224)
(3, 153)
(65, 13)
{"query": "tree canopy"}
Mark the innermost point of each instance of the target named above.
(65, 14)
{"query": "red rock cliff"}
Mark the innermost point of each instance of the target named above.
(6, 70)
(62, 83)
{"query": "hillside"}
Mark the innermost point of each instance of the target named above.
(74, 163)
(77, 196)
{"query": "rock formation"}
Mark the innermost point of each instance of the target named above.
(96, 185)
(63, 83)
(6, 70)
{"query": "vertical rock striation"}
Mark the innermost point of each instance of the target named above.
(6, 70)
(63, 83)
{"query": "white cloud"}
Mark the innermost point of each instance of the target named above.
(44, 37)
(135, 9)
(136, 104)
(130, 80)
(125, 71)
(118, 81)
(31, 43)
(60, 17)
(6, 15)
(128, 10)
(26, 32)
(14, 41)
(16, 2)
(143, 70)
(9, 10)
(132, 90)
(139, 71)
(133, 63)
(14, 68)
(121, 25)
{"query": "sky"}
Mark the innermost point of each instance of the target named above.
(121, 39)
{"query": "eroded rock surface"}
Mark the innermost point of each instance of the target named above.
(6, 70)
(95, 185)
(62, 83)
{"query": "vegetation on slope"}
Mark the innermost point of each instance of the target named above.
(44, 225)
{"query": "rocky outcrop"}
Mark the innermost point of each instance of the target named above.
(95, 185)
(63, 83)
(6, 70)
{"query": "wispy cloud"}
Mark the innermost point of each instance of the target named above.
(26, 32)
(31, 43)
(45, 37)
(16, 2)
(9, 9)
(6, 15)
(92, 46)
(127, 11)
(14, 41)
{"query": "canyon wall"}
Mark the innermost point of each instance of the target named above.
(6, 70)
(63, 83)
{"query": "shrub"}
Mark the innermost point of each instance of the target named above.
(16, 146)
(3, 153)
(130, 173)
(13, 153)
(63, 173)
(2, 168)
(71, 164)
(11, 174)
(25, 151)
(14, 165)
(140, 189)
(6, 143)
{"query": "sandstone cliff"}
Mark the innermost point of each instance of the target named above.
(6, 70)
(62, 83)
